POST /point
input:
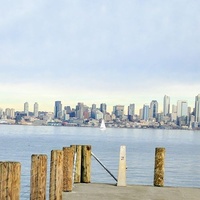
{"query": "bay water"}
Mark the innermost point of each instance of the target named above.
(182, 162)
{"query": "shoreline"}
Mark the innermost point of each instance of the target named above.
(158, 128)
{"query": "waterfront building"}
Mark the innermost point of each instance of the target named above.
(66, 116)
(174, 113)
(35, 109)
(68, 109)
(12, 113)
(72, 113)
(86, 112)
(94, 106)
(197, 108)
(26, 108)
(182, 108)
(145, 115)
(98, 115)
(189, 110)
(141, 113)
(93, 111)
(107, 117)
(103, 108)
(118, 110)
(192, 119)
(182, 113)
(58, 110)
(131, 111)
(174, 109)
(8, 113)
(160, 117)
(153, 109)
(1, 113)
(79, 110)
(166, 105)
(173, 117)
(113, 117)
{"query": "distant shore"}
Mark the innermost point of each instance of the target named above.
(123, 127)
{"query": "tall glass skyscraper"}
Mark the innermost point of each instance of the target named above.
(79, 110)
(58, 110)
(26, 109)
(118, 110)
(197, 108)
(166, 105)
(182, 108)
(146, 112)
(154, 108)
(131, 111)
(103, 108)
(36, 109)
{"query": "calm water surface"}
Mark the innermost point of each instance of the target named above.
(182, 168)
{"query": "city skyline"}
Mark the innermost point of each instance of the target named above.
(109, 51)
(158, 107)
(179, 116)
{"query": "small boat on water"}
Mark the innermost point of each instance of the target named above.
(102, 126)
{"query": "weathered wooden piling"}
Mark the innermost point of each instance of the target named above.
(77, 174)
(10, 173)
(159, 167)
(86, 164)
(38, 177)
(68, 164)
(56, 175)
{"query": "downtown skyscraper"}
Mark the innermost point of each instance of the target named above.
(166, 105)
(118, 110)
(182, 108)
(26, 108)
(154, 109)
(103, 108)
(197, 108)
(79, 110)
(131, 111)
(145, 112)
(58, 110)
(36, 107)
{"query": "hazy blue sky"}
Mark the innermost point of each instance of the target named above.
(113, 52)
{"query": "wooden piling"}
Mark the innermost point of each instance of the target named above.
(86, 164)
(38, 177)
(10, 173)
(68, 164)
(56, 175)
(77, 174)
(3, 179)
(159, 167)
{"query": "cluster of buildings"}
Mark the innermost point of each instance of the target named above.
(172, 116)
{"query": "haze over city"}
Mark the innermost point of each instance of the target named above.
(117, 52)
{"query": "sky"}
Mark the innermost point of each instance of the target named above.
(114, 52)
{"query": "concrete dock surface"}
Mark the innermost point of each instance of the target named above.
(96, 191)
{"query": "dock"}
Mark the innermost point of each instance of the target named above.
(103, 191)
(70, 179)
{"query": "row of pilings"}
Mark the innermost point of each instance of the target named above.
(62, 174)
(67, 166)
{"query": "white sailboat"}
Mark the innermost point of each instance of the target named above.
(102, 126)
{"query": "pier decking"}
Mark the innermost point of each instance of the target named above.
(96, 191)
